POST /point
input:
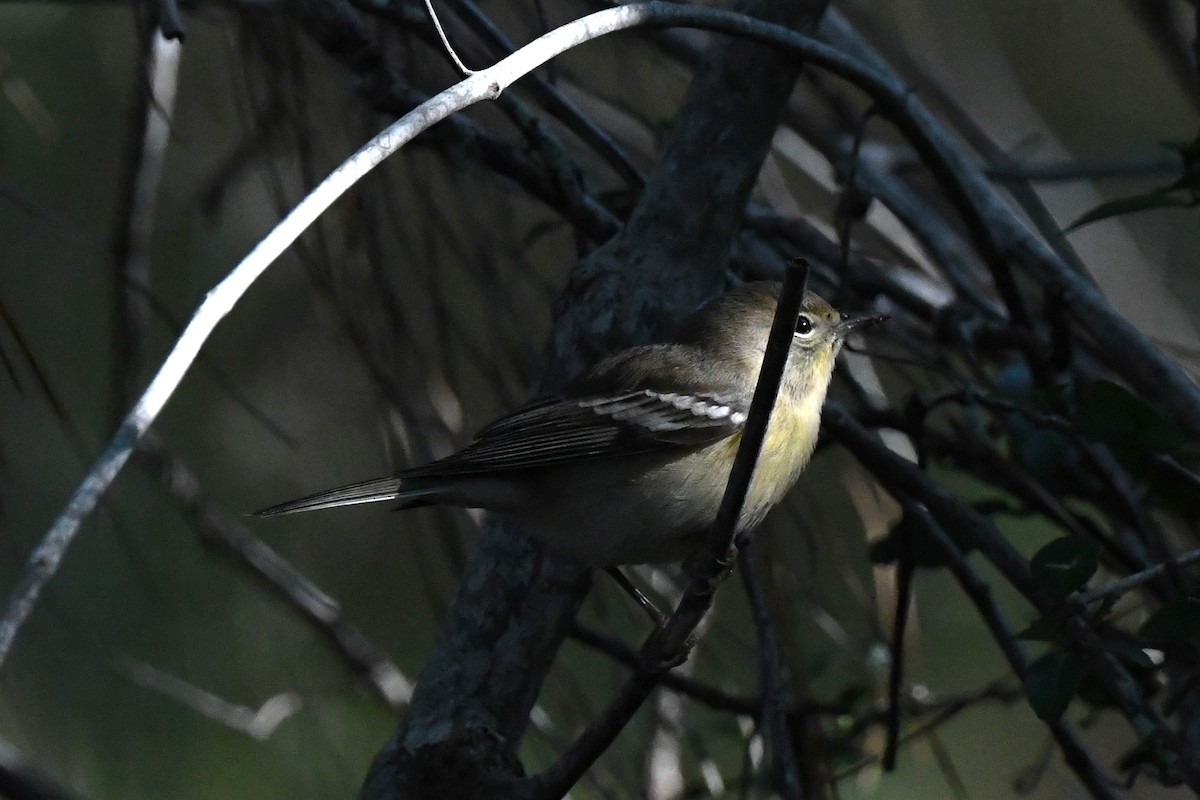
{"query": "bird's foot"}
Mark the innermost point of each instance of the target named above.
(656, 661)
(712, 574)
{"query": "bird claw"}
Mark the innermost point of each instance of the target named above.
(655, 661)
(712, 574)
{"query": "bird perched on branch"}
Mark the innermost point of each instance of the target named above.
(629, 464)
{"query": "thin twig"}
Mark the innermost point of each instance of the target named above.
(1122, 585)
(1077, 757)
(902, 478)
(774, 703)
(209, 365)
(936, 510)
(437, 25)
(463, 137)
(1067, 171)
(939, 717)
(977, 137)
(146, 150)
(1001, 235)
(946, 765)
(744, 705)
(555, 102)
(257, 723)
(711, 696)
(162, 60)
(278, 575)
(918, 702)
(896, 671)
(71, 429)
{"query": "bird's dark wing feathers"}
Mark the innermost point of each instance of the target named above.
(559, 431)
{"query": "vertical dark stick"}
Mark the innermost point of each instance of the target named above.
(904, 570)
(791, 299)
(786, 771)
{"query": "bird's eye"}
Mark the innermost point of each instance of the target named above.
(804, 325)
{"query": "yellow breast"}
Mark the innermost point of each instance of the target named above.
(787, 448)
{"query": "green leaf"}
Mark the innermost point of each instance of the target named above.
(1175, 622)
(1099, 694)
(1065, 565)
(1110, 413)
(1131, 653)
(1052, 681)
(1043, 454)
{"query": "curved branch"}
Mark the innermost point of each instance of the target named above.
(486, 84)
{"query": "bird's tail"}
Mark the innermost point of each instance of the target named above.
(401, 490)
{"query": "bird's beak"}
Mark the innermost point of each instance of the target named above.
(853, 322)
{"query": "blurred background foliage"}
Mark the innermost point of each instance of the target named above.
(417, 310)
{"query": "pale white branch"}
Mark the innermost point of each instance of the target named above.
(485, 84)
(257, 723)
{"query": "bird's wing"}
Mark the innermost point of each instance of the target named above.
(559, 431)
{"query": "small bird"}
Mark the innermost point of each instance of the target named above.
(628, 465)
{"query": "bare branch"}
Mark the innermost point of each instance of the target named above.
(710, 696)
(437, 25)
(789, 776)
(1123, 585)
(257, 723)
(896, 668)
(130, 245)
(483, 85)
(277, 575)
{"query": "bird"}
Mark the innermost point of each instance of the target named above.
(628, 464)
